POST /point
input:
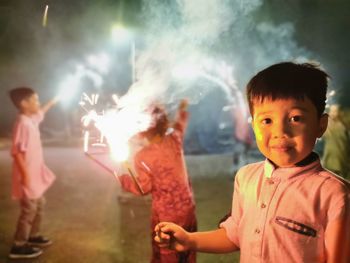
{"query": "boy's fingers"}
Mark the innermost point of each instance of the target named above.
(167, 227)
(164, 236)
(162, 242)
(163, 227)
(160, 225)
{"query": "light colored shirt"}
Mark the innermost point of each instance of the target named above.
(26, 140)
(282, 214)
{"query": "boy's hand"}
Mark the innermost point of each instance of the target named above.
(56, 99)
(172, 236)
(183, 105)
(19, 159)
(49, 104)
(25, 180)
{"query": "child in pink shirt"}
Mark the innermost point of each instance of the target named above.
(31, 178)
(161, 171)
(287, 208)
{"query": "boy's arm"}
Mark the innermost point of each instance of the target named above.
(337, 240)
(19, 159)
(49, 104)
(215, 241)
(175, 237)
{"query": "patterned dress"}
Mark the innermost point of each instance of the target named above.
(161, 172)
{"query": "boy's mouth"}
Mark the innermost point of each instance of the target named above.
(281, 148)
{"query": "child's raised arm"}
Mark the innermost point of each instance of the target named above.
(183, 105)
(172, 236)
(181, 118)
(49, 104)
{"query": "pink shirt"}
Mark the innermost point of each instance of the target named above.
(26, 140)
(281, 215)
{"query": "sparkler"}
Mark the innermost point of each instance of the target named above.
(108, 169)
(104, 124)
(44, 23)
(113, 172)
(126, 165)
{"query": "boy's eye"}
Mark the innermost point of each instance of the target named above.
(295, 119)
(266, 121)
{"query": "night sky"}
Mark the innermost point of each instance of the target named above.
(38, 56)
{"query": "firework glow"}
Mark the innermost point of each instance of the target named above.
(44, 22)
(110, 130)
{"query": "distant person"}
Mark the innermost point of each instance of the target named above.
(336, 153)
(242, 134)
(161, 171)
(287, 208)
(31, 178)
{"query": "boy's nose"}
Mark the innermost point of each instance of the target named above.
(281, 129)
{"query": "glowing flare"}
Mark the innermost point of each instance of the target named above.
(86, 141)
(115, 98)
(120, 152)
(44, 23)
(96, 98)
(117, 126)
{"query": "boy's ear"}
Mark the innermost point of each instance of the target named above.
(23, 104)
(323, 124)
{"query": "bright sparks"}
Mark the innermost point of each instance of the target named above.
(116, 125)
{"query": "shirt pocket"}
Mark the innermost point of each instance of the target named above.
(299, 231)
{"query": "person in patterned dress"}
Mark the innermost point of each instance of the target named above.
(161, 172)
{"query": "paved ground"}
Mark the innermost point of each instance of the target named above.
(87, 222)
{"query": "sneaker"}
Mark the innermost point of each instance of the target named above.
(39, 241)
(24, 251)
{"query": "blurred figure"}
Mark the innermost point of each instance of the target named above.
(30, 177)
(242, 133)
(336, 143)
(161, 171)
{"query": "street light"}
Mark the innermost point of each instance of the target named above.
(121, 35)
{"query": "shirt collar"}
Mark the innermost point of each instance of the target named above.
(311, 162)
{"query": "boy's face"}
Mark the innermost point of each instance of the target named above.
(31, 105)
(286, 129)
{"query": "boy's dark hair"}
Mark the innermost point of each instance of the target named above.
(289, 80)
(19, 94)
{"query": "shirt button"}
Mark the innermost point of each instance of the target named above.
(271, 182)
(263, 206)
(257, 231)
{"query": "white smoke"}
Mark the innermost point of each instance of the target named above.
(192, 32)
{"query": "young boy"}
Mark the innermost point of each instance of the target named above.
(286, 208)
(31, 178)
